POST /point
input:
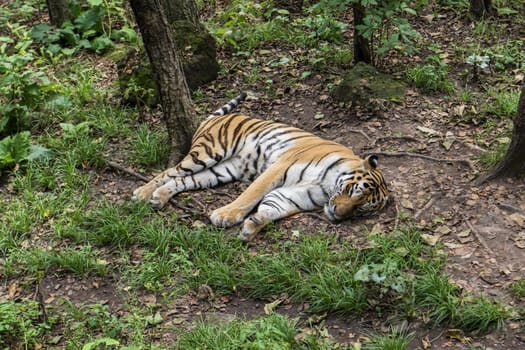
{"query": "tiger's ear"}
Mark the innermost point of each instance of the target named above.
(371, 161)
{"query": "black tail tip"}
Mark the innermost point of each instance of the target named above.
(242, 96)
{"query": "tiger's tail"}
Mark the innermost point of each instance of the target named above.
(228, 107)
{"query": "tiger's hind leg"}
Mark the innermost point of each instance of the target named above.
(279, 204)
(220, 174)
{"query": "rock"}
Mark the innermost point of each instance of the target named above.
(365, 86)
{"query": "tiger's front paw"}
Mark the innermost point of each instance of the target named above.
(143, 193)
(227, 216)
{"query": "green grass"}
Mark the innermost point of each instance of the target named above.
(432, 76)
(397, 338)
(517, 288)
(57, 222)
(149, 148)
(272, 332)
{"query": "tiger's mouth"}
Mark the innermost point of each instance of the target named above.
(330, 212)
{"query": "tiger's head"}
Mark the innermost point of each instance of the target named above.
(359, 192)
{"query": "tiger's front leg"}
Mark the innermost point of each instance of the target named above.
(144, 193)
(235, 212)
(281, 203)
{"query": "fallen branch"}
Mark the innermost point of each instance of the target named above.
(145, 179)
(425, 207)
(126, 170)
(359, 131)
(480, 239)
(416, 155)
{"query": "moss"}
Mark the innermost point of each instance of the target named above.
(364, 84)
(200, 65)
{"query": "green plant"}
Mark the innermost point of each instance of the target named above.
(91, 28)
(17, 149)
(432, 76)
(21, 324)
(77, 145)
(435, 293)
(384, 23)
(490, 158)
(480, 314)
(22, 87)
(517, 288)
(397, 338)
(273, 332)
(149, 148)
(502, 103)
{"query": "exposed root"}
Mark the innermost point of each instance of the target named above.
(480, 239)
(125, 170)
(416, 155)
(424, 208)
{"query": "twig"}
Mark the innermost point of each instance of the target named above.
(478, 237)
(416, 155)
(427, 205)
(509, 207)
(126, 170)
(396, 222)
(359, 131)
(391, 137)
(145, 179)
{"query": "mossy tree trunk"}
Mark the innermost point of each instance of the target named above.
(181, 10)
(481, 8)
(58, 12)
(178, 112)
(513, 163)
(362, 51)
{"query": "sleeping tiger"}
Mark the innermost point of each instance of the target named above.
(292, 171)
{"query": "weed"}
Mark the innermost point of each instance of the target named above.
(492, 157)
(397, 338)
(85, 322)
(481, 314)
(273, 332)
(20, 324)
(435, 293)
(502, 103)
(517, 288)
(431, 77)
(149, 148)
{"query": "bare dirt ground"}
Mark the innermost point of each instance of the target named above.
(482, 227)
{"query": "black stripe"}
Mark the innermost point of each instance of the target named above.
(334, 164)
(311, 198)
(304, 169)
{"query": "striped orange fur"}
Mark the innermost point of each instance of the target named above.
(290, 171)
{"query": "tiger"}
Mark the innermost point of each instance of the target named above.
(290, 170)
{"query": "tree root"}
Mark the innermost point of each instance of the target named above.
(125, 170)
(480, 239)
(416, 155)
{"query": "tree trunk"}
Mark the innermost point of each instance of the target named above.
(361, 44)
(181, 10)
(58, 12)
(481, 8)
(178, 111)
(513, 163)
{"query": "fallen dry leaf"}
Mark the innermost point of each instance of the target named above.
(443, 230)
(431, 240)
(518, 219)
(270, 307)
